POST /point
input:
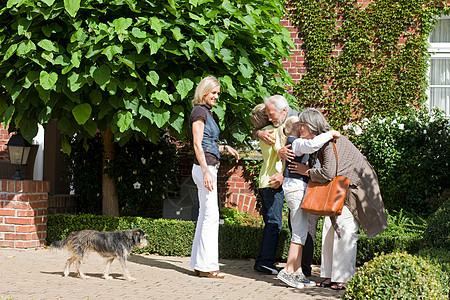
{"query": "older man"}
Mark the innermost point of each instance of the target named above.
(277, 111)
(271, 194)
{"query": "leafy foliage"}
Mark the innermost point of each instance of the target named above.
(437, 234)
(411, 155)
(398, 276)
(133, 65)
(364, 60)
(142, 171)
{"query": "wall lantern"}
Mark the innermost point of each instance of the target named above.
(18, 150)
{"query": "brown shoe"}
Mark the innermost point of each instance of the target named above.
(212, 274)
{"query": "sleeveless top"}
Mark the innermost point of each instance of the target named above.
(210, 141)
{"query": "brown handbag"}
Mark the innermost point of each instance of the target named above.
(326, 198)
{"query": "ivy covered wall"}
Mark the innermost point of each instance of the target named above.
(355, 59)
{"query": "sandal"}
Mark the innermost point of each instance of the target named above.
(212, 274)
(338, 286)
(325, 285)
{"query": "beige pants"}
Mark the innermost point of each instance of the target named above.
(339, 254)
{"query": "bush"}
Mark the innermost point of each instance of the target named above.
(410, 154)
(398, 276)
(141, 177)
(437, 234)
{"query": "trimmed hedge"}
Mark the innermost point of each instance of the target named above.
(398, 276)
(174, 237)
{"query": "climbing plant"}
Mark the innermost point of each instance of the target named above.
(364, 60)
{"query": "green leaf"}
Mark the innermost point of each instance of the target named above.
(138, 33)
(112, 50)
(153, 78)
(245, 67)
(9, 113)
(219, 38)
(121, 25)
(228, 82)
(82, 112)
(48, 80)
(176, 122)
(25, 47)
(155, 24)
(95, 96)
(161, 95)
(31, 77)
(29, 129)
(161, 117)
(47, 45)
(75, 81)
(76, 58)
(155, 43)
(125, 119)
(23, 25)
(205, 46)
(91, 127)
(72, 7)
(102, 76)
(49, 2)
(10, 51)
(177, 33)
(184, 86)
(45, 115)
(65, 146)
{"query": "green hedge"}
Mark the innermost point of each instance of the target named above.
(174, 237)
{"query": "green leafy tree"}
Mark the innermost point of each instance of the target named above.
(129, 68)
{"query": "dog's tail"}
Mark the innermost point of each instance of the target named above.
(58, 244)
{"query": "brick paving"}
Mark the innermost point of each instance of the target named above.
(38, 274)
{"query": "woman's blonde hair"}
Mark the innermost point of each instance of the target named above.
(259, 117)
(204, 88)
(289, 127)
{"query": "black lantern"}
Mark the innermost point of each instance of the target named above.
(18, 150)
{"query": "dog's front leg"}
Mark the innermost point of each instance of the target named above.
(108, 265)
(123, 262)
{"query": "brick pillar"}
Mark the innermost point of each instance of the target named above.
(23, 213)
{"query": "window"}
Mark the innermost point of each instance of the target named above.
(439, 89)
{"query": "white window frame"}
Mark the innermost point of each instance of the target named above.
(437, 50)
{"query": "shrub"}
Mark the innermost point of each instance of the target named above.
(437, 234)
(141, 177)
(232, 216)
(398, 276)
(410, 154)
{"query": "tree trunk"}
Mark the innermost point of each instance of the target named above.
(110, 199)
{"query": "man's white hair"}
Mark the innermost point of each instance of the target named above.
(278, 101)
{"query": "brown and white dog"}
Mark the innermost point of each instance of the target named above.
(111, 245)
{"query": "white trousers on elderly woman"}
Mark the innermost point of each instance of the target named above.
(205, 249)
(339, 254)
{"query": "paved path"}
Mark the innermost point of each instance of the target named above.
(38, 274)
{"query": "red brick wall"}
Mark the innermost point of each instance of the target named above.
(4, 138)
(23, 213)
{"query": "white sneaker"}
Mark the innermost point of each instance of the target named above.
(289, 279)
(301, 278)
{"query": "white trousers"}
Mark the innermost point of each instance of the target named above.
(339, 254)
(205, 249)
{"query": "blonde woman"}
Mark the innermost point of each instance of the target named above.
(205, 137)
(294, 186)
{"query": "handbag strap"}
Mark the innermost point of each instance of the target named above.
(335, 152)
